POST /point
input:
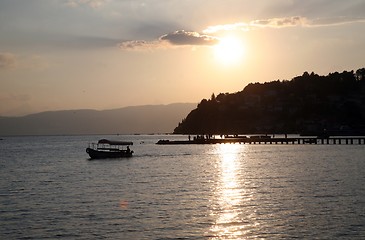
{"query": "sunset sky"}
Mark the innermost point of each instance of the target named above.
(104, 54)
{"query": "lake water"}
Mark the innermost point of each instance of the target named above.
(49, 189)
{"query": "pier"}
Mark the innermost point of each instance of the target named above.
(269, 140)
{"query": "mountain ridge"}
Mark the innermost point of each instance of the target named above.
(126, 120)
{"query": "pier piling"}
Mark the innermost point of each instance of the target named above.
(294, 140)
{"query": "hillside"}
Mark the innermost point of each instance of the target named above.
(307, 104)
(128, 120)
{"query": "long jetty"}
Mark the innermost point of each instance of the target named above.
(269, 140)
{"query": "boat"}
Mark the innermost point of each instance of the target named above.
(105, 148)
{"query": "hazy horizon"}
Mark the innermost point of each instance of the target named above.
(144, 119)
(107, 54)
(94, 109)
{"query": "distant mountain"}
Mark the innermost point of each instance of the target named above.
(128, 120)
(309, 104)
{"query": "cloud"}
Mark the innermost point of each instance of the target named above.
(7, 60)
(336, 21)
(177, 38)
(140, 45)
(91, 3)
(280, 22)
(293, 21)
(188, 38)
(269, 23)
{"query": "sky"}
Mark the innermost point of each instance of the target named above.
(105, 54)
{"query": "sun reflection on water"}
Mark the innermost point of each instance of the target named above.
(232, 220)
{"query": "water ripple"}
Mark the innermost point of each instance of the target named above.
(49, 189)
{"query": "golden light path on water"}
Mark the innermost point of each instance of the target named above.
(235, 217)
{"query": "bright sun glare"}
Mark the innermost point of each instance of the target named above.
(229, 50)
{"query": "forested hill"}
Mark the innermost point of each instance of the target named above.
(307, 104)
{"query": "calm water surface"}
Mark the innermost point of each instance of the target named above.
(49, 189)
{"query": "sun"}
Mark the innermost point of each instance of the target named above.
(229, 50)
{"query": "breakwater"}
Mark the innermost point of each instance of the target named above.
(269, 140)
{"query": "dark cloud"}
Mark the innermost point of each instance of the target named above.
(178, 38)
(188, 38)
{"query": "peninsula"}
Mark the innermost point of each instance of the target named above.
(309, 104)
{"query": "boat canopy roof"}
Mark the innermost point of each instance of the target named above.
(113, 142)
